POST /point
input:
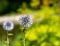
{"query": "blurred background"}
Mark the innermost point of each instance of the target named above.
(45, 32)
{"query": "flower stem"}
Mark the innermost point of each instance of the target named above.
(7, 39)
(24, 37)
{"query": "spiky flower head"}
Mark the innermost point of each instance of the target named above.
(8, 25)
(25, 20)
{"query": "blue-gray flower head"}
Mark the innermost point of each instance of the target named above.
(8, 25)
(25, 20)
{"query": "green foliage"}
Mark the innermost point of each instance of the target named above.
(41, 33)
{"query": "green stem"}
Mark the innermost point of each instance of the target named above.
(7, 39)
(24, 37)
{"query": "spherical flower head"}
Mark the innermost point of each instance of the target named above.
(8, 25)
(25, 20)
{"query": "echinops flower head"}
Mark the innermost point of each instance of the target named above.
(8, 25)
(25, 20)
